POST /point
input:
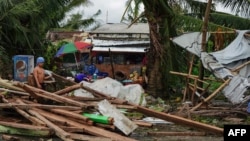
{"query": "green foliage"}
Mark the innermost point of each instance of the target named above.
(23, 23)
(50, 53)
(5, 62)
(231, 21)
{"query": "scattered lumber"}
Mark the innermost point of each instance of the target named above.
(63, 116)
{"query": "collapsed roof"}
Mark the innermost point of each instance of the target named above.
(222, 63)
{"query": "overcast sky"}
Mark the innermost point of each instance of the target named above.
(112, 10)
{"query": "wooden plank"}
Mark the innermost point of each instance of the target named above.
(143, 123)
(71, 114)
(25, 106)
(34, 120)
(211, 95)
(58, 131)
(63, 79)
(68, 89)
(86, 128)
(52, 96)
(9, 85)
(23, 126)
(15, 92)
(180, 120)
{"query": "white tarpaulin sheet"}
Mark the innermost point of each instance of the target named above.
(133, 93)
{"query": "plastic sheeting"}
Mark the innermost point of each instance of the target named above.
(132, 93)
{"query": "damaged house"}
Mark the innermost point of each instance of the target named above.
(231, 63)
(120, 48)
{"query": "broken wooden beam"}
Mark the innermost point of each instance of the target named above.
(211, 95)
(180, 120)
(9, 85)
(52, 96)
(42, 106)
(34, 120)
(68, 89)
(63, 79)
(86, 128)
(72, 115)
(143, 123)
(58, 131)
(15, 91)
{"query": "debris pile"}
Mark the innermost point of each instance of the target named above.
(42, 113)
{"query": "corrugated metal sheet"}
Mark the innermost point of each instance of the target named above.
(121, 49)
(123, 28)
(99, 43)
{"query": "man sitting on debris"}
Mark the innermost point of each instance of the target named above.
(39, 73)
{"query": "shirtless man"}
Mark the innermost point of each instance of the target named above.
(39, 73)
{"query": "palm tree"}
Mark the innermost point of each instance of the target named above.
(24, 23)
(76, 22)
(163, 22)
(134, 12)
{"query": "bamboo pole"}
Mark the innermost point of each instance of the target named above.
(211, 96)
(241, 66)
(192, 76)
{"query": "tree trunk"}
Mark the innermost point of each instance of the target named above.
(160, 17)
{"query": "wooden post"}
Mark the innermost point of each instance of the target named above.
(204, 37)
(112, 63)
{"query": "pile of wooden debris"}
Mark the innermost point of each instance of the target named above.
(42, 113)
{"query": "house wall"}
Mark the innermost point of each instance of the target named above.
(125, 69)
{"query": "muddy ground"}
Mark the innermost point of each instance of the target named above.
(142, 134)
